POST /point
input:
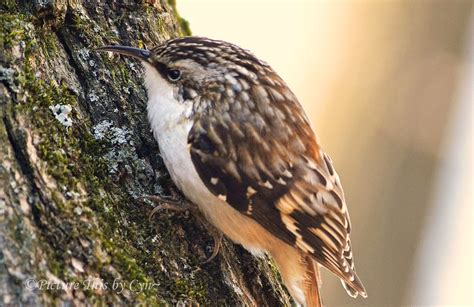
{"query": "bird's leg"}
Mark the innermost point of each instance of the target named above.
(181, 205)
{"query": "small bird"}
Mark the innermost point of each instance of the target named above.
(238, 144)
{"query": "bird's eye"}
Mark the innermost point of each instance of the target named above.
(174, 75)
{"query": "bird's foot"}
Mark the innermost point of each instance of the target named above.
(168, 203)
(181, 205)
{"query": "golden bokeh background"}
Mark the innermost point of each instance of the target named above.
(388, 86)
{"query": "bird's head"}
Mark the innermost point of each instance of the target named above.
(193, 67)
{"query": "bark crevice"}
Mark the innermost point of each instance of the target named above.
(18, 144)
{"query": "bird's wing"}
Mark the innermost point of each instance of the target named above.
(263, 159)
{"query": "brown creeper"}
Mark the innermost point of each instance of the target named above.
(238, 144)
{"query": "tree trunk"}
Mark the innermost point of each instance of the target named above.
(76, 157)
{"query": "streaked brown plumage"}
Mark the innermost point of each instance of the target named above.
(253, 149)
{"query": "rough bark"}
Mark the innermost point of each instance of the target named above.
(71, 213)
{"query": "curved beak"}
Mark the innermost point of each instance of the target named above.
(137, 53)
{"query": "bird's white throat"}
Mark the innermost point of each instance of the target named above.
(170, 125)
(164, 110)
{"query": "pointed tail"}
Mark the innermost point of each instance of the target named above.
(312, 289)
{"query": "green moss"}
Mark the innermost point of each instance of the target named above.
(72, 155)
(76, 162)
(183, 23)
(84, 28)
(59, 146)
(274, 269)
(185, 28)
(13, 29)
(190, 291)
(8, 5)
(49, 43)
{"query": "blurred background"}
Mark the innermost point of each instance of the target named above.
(388, 86)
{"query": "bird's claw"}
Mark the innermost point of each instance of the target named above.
(164, 203)
(217, 236)
(181, 205)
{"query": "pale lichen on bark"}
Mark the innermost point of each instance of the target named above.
(70, 207)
